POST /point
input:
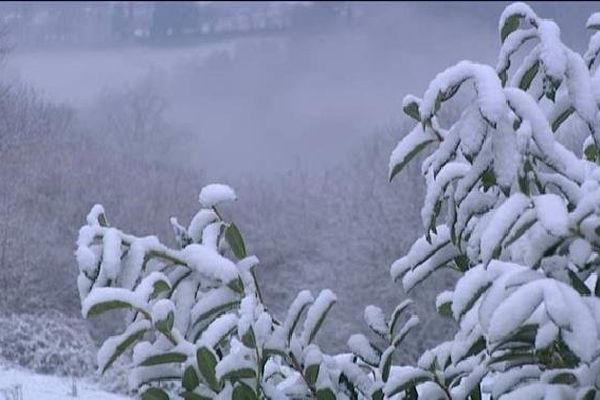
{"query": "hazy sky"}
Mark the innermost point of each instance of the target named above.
(292, 101)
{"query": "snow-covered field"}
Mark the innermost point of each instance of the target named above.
(47, 387)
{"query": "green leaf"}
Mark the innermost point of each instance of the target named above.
(242, 391)
(480, 291)
(515, 358)
(165, 358)
(476, 348)
(159, 287)
(397, 313)
(190, 379)
(528, 76)
(100, 308)
(578, 284)
(562, 118)
(590, 394)
(488, 179)
(314, 329)
(565, 378)
(524, 335)
(207, 362)
(193, 396)
(591, 153)
(166, 325)
(124, 345)
(325, 394)
(412, 110)
(476, 393)
(215, 312)
(237, 374)
(248, 339)
(445, 309)
(235, 240)
(511, 24)
(386, 362)
(503, 75)
(551, 85)
(311, 373)
(408, 385)
(155, 394)
(292, 320)
(102, 220)
(236, 285)
(378, 395)
(348, 385)
(398, 167)
(406, 329)
(411, 393)
(462, 262)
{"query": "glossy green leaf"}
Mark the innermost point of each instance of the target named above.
(190, 379)
(164, 358)
(235, 240)
(207, 363)
(511, 24)
(155, 394)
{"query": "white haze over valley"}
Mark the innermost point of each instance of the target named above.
(294, 100)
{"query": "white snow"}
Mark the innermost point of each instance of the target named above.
(512, 43)
(103, 295)
(402, 375)
(213, 300)
(552, 51)
(218, 329)
(209, 262)
(517, 8)
(161, 310)
(199, 222)
(302, 300)
(546, 334)
(375, 319)
(360, 345)
(111, 255)
(412, 141)
(216, 193)
(503, 218)
(515, 310)
(323, 302)
(593, 21)
(47, 387)
(109, 347)
(450, 172)
(552, 213)
(94, 215)
(490, 96)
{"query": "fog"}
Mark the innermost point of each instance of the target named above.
(272, 104)
(301, 122)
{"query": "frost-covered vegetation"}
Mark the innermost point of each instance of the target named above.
(510, 206)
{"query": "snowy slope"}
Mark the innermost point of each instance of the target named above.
(48, 387)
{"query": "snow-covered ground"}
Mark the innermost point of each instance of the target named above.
(47, 387)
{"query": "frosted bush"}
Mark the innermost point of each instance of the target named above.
(49, 343)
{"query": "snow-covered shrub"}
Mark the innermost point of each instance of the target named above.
(197, 317)
(518, 214)
(49, 343)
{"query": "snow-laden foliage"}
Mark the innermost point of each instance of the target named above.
(518, 214)
(507, 205)
(197, 317)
